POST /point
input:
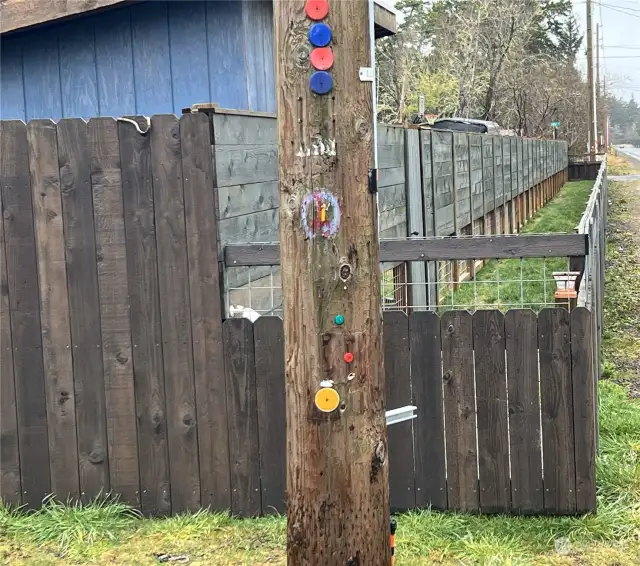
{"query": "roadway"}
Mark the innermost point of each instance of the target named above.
(632, 153)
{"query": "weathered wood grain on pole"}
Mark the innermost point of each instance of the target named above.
(337, 476)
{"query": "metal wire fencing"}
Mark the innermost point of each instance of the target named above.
(447, 285)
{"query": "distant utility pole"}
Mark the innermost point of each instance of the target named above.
(593, 119)
(598, 98)
(337, 472)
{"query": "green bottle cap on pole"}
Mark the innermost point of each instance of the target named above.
(339, 320)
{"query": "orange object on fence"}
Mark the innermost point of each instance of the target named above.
(392, 539)
(566, 294)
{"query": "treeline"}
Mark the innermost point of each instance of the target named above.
(625, 121)
(509, 61)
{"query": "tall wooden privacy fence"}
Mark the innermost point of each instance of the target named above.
(112, 368)
(118, 374)
(431, 183)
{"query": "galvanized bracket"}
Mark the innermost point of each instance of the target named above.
(400, 415)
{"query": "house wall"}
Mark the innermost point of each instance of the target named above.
(151, 58)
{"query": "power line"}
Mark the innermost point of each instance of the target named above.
(622, 10)
(618, 56)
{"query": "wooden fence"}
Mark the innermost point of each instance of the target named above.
(431, 183)
(110, 278)
(118, 374)
(487, 403)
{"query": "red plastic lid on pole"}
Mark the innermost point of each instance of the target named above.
(322, 58)
(316, 9)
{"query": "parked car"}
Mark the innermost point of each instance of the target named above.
(467, 125)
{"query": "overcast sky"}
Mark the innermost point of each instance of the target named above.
(620, 50)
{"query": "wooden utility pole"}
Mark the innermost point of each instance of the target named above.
(593, 119)
(598, 99)
(337, 473)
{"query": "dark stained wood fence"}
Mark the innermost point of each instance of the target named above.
(494, 392)
(113, 377)
(118, 374)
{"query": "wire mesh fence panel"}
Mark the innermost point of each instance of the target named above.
(501, 284)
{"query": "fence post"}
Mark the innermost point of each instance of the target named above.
(417, 295)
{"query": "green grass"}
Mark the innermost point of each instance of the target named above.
(561, 215)
(114, 533)
(620, 166)
(108, 534)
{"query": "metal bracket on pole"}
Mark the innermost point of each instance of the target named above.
(367, 74)
(400, 415)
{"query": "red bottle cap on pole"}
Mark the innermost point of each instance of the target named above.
(316, 9)
(348, 357)
(322, 58)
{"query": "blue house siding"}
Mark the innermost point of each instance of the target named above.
(150, 58)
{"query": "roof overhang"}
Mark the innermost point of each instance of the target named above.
(21, 14)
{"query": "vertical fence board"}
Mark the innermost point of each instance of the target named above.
(443, 172)
(171, 239)
(459, 410)
(491, 400)
(142, 264)
(22, 279)
(415, 216)
(506, 176)
(426, 380)
(398, 394)
(54, 307)
(269, 353)
(584, 409)
(84, 306)
(206, 315)
(244, 448)
(489, 195)
(10, 488)
(557, 414)
(461, 180)
(106, 186)
(524, 411)
(428, 198)
(476, 174)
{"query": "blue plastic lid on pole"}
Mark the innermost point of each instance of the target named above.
(339, 320)
(320, 35)
(321, 82)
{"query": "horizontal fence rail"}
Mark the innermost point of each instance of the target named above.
(593, 225)
(436, 249)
